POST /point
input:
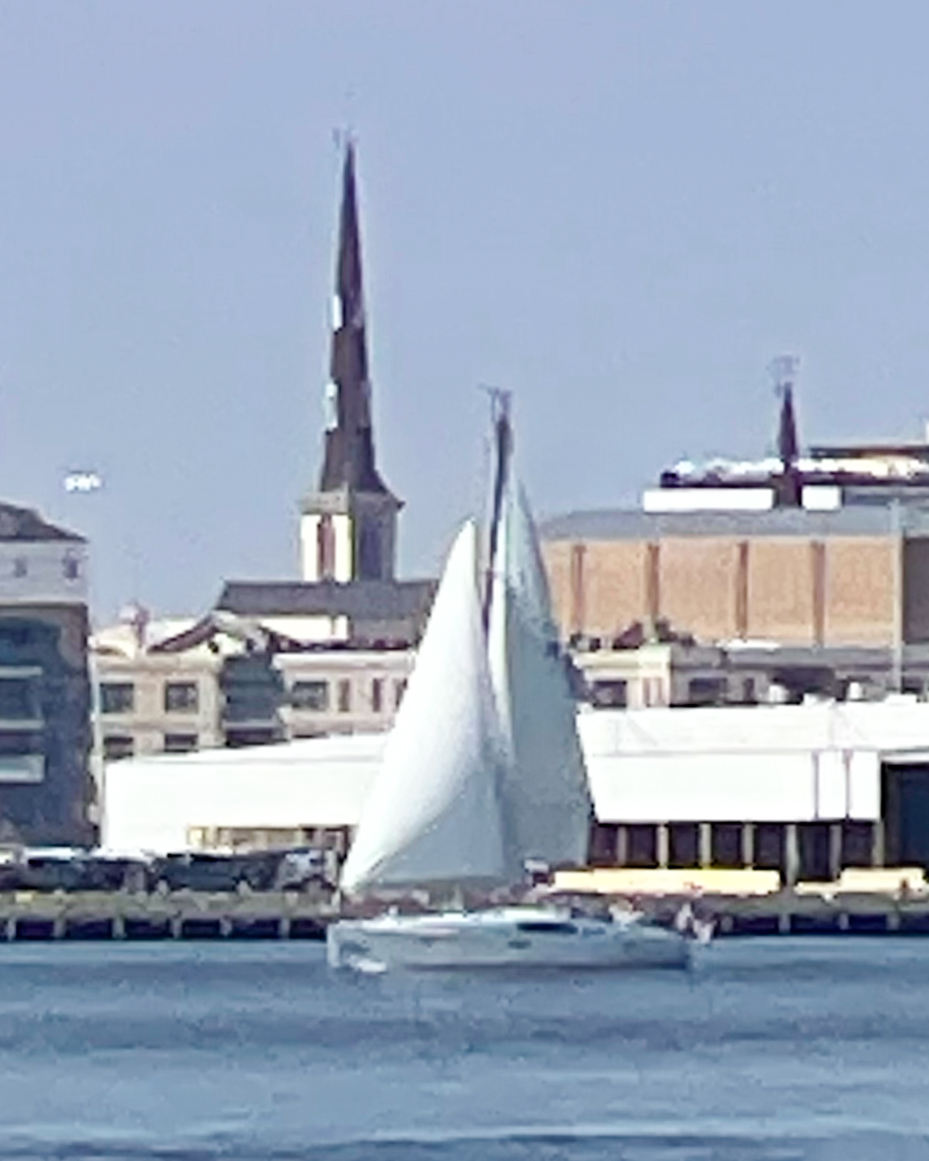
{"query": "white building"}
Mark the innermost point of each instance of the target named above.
(806, 789)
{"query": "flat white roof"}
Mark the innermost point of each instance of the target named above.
(751, 764)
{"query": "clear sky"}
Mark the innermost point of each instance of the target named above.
(621, 211)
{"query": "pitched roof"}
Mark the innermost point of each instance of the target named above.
(26, 524)
(372, 600)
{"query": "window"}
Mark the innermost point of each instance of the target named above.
(19, 699)
(180, 743)
(377, 694)
(21, 742)
(325, 548)
(706, 691)
(370, 551)
(16, 635)
(71, 568)
(117, 697)
(345, 696)
(399, 691)
(310, 695)
(535, 927)
(181, 697)
(610, 694)
(117, 746)
(20, 566)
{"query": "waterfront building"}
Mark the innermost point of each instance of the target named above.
(826, 551)
(804, 790)
(173, 687)
(735, 642)
(46, 790)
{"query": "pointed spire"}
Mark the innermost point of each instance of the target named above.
(349, 454)
(788, 485)
(788, 446)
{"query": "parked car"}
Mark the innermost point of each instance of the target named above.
(196, 871)
(67, 870)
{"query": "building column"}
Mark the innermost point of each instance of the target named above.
(835, 850)
(791, 855)
(877, 843)
(623, 845)
(741, 591)
(705, 844)
(578, 616)
(662, 844)
(818, 565)
(653, 581)
(748, 844)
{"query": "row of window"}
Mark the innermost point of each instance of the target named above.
(613, 693)
(116, 746)
(320, 696)
(118, 697)
(70, 568)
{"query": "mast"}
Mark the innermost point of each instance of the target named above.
(502, 449)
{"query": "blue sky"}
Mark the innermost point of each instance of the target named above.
(621, 211)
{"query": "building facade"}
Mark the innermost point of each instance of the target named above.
(803, 790)
(228, 682)
(830, 550)
(855, 576)
(46, 789)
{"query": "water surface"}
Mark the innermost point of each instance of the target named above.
(780, 1048)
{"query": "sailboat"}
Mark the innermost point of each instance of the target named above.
(483, 774)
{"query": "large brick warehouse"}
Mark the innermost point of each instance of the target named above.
(856, 575)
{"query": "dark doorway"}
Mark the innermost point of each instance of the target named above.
(727, 844)
(683, 844)
(857, 843)
(905, 810)
(643, 847)
(769, 846)
(603, 841)
(813, 849)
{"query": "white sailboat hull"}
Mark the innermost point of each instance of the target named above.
(503, 938)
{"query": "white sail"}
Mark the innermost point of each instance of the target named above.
(545, 783)
(434, 814)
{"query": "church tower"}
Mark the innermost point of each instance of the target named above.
(348, 527)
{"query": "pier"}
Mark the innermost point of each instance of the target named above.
(283, 915)
(183, 915)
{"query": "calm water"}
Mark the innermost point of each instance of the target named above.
(776, 1049)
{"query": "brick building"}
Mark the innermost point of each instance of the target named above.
(858, 575)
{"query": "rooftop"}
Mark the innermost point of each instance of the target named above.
(26, 524)
(633, 524)
(371, 600)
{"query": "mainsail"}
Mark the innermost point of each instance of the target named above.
(434, 813)
(545, 788)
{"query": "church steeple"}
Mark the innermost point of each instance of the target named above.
(788, 483)
(349, 455)
(348, 529)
